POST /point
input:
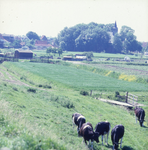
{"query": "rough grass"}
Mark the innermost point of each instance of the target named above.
(42, 116)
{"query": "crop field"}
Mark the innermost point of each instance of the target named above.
(124, 68)
(38, 100)
(79, 79)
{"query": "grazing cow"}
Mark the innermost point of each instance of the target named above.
(139, 114)
(103, 128)
(78, 120)
(88, 134)
(116, 134)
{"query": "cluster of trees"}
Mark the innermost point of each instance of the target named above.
(96, 37)
(54, 50)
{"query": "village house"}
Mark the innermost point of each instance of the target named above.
(43, 38)
(23, 54)
(146, 54)
(8, 37)
(42, 44)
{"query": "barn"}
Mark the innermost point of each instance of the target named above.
(23, 54)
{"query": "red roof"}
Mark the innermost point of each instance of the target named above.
(43, 37)
(42, 43)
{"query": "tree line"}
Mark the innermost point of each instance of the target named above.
(97, 38)
(90, 37)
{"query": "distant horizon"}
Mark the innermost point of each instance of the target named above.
(49, 17)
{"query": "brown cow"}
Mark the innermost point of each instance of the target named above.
(139, 114)
(86, 131)
(78, 120)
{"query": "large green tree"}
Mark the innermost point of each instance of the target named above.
(32, 35)
(82, 37)
(129, 40)
(117, 44)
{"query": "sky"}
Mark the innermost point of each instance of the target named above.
(49, 17)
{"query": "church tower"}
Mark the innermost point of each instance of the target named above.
(115, 29)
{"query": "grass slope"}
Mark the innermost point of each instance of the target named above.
(42, 119)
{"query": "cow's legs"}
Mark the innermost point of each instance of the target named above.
(91, 145)
(102, 139)
(121, 143)
(73, 122)
(136, 118)
(107, 138)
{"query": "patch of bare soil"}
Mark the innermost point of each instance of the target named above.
(142, 72)
(123, 68)
(13, 80)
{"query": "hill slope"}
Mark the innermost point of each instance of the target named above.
(45, 114)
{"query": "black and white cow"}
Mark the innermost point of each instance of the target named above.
(103, 128)
(139, 114)
(117, 134)
(88, 134)
(78, 120)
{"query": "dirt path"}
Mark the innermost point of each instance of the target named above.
(11, 79)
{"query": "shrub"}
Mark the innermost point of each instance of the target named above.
(47, 86)
(40, 85)
(85, 93)
(67, 104)
(31, 90)
(15, 89)
(117, 94)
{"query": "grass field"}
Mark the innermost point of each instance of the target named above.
(77, 78)
(33, 117)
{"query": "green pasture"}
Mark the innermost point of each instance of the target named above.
(33, 117)
(76, 78)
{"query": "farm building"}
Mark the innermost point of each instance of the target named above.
(80, 58)
(126, 58)
(23, 54)
(1, 54)
(145, 53)
(42, 44)
(67, 58)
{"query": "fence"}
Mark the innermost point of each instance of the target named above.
(2, 59)
(131, 99)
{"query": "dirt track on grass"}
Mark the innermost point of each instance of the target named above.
(9, 78)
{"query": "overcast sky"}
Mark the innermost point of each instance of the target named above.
(49, 17)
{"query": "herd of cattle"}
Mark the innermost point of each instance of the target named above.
(102, 128)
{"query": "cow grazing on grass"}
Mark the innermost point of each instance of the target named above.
(116, 134)
(103, 128)
(88, 134)
(139, 114)
(78, 120)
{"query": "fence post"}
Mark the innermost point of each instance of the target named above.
(126, 97)
(91, 93)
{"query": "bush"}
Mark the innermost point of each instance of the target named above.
(15, 89)
(31, 90)
(117, 94)
(85, 93)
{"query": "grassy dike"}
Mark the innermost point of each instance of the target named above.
(40, 118)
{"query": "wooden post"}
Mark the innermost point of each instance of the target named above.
(91, 93)
(133, 99)
(126, 97)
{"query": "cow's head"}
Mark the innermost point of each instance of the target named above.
(141, 122)
(115, 145)
(96, 137)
